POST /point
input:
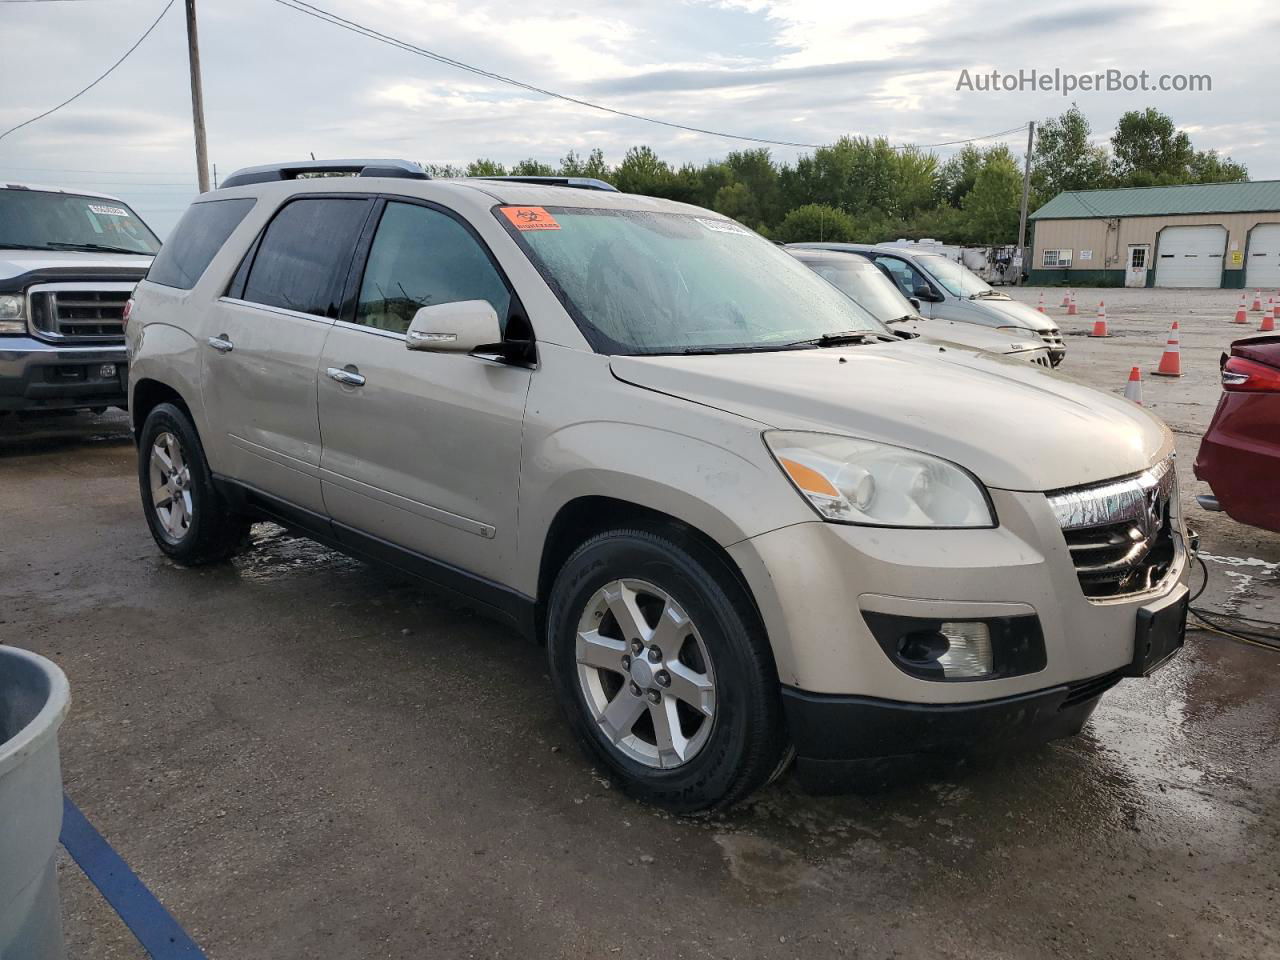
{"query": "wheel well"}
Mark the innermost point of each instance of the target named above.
(581, 519)
(149, 394)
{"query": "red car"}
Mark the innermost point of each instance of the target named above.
(1240, 454)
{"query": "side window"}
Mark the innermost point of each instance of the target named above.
(196, 240)
(304, 255)
(908, 279)
(421, 257)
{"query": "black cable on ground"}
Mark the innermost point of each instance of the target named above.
(1268, 641)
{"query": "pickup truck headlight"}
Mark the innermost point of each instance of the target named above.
(875, 484)
(11, 320)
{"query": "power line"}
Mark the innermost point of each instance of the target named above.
(310, 10)
(108, 72)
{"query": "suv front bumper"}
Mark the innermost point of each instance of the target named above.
(815, 583)
(35, 375)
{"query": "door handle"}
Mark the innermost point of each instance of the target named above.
(221, 343)
(349, 377)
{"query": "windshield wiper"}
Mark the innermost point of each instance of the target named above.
(742, 348)
(840, 339)
(903, 319)
(985, 293)
(98, 247)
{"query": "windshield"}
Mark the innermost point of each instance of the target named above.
(862, 282)
(959, 280)
(39, 220)
(639, 282)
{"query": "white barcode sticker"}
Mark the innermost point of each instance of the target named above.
(724, 226)
(108, 211)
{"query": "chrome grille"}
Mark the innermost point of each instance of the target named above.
(1120, 533)
(79, 313)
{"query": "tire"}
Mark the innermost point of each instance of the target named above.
(723, 744)
(197, 526)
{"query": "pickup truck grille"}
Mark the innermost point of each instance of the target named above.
(72, 313)
(1120, 533)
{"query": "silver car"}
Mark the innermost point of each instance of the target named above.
(951, 291)
(870, 287)
(745, 520)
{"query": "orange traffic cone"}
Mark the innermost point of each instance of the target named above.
(1171, 360)
(1071, 306)
(1133, 389)
(1100, 325)
(1269, 319)
(1257, 300)
(1240, 312)
(1066, 298)
(1040, 305)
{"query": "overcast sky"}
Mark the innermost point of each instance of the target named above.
(279, 85)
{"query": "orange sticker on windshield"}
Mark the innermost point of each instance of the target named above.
(530, 218)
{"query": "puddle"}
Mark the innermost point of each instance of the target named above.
(275, 553)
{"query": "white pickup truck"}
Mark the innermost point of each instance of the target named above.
(68, 263)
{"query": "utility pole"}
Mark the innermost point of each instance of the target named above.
(197, 98)
(1023, 259)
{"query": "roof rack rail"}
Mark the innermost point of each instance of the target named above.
(271, 172)
(580, 183)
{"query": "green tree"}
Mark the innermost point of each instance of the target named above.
(1208, 167)
(572, 165)
(1149, 149)
(641, 171)
(485, 168)
(1064, 158)
(958, 174)
(815, 221)
(916, 180)
(991, 206)
(441, 170)
(533, 168)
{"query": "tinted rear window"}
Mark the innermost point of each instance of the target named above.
(305, 254)
(196, 240)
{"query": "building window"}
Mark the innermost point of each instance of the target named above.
(1056, 258)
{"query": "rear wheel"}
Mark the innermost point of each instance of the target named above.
(189, 519)
(661, 663)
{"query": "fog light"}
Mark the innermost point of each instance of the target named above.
(107, 371)
(968, 651)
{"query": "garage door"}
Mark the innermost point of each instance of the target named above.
(1190, 256)
(1264, 256)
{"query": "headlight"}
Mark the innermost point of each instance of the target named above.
(11, 314)
(859, 481)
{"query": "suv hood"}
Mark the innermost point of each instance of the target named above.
(1015, 311)
(15, 263)
(969, 335)
(1011, 423)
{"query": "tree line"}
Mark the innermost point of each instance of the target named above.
(866, 189)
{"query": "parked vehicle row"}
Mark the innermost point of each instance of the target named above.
(744, 517)
(68, 263)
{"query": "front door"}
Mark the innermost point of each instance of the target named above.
(422, 450)
(263, 341)
(1135, 274)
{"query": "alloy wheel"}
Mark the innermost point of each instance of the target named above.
(170, 486)
(645, 674)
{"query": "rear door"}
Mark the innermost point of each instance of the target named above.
(259, 366)
(423, 451)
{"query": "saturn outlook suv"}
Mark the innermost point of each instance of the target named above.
(746, 521)
(68, 262)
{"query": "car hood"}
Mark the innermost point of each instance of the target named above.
(1016, 311)
(968, 334)
(14, 263)
(1014, 425)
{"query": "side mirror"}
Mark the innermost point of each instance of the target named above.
(454, 327)
(915, 302)
(922, 291)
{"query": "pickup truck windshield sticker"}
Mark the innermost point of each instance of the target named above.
(530, 218)
(108, 211)
(724, 226)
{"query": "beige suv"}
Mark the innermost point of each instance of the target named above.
(746, 521)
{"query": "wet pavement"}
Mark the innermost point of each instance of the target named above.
(304, 756)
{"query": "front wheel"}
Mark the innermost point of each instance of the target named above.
(189, 519)
(659, 659)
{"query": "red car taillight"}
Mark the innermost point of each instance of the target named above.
(1248, 376)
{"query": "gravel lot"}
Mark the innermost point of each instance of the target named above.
(306, 757)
